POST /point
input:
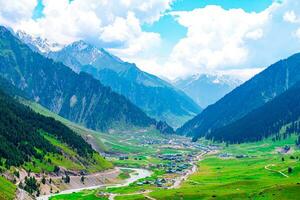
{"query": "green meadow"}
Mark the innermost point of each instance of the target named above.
(244, 178)
(262, 174)
(84, 195)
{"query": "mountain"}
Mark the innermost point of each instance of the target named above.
(26, 135)
(38, 44)
(154, 96)
(265, 120)
(262, 88)
(77, 97)
(207, 89)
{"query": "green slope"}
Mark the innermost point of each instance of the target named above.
(84, 132)
(7, 189)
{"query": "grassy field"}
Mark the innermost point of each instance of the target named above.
(131, 197)
(262, 174)
(7, 189)
(245, 178)
(125, 173)
(85, 195)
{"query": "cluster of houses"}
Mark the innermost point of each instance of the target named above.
(229, 155)
(176, 163)
(159, 182)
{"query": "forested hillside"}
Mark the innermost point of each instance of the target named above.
(264, 121)
(22, 134)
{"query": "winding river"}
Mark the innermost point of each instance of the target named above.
(134, 176)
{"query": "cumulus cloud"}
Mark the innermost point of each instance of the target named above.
(216, 38)
(15, 11)
(233, 41)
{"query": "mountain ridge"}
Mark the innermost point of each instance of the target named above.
(158, 98)
(264, 121)
(56, 87)
(262, 88)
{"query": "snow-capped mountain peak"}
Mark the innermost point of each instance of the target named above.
(206, 89)
(39, 44)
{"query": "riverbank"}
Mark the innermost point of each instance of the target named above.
(135, 175)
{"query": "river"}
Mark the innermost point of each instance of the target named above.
(134, 176)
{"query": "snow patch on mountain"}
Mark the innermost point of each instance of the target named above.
(39, 44)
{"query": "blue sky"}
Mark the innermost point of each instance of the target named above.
(247, 5)
(172, 32)
(38, 11)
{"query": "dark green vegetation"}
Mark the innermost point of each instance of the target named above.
(7, 189)
(20, 134)
(64, 92)
(266, 120)
(40, 143)
(254, 93)
(84, 132)
(31, 185)
(156, 97)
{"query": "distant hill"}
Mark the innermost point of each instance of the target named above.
(207, 89)
(262, 88)
(77, 97)
(154, 96)
(263, 121)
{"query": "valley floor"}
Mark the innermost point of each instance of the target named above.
(184, 170)
(248, 171)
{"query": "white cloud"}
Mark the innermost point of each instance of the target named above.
(14, 11)
(233, 41)
(291, 17)
(297, 33)
(106, 23)
(216, 38)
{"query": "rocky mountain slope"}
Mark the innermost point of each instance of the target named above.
(154, 96)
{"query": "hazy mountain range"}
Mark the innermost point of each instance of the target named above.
(206, 89)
